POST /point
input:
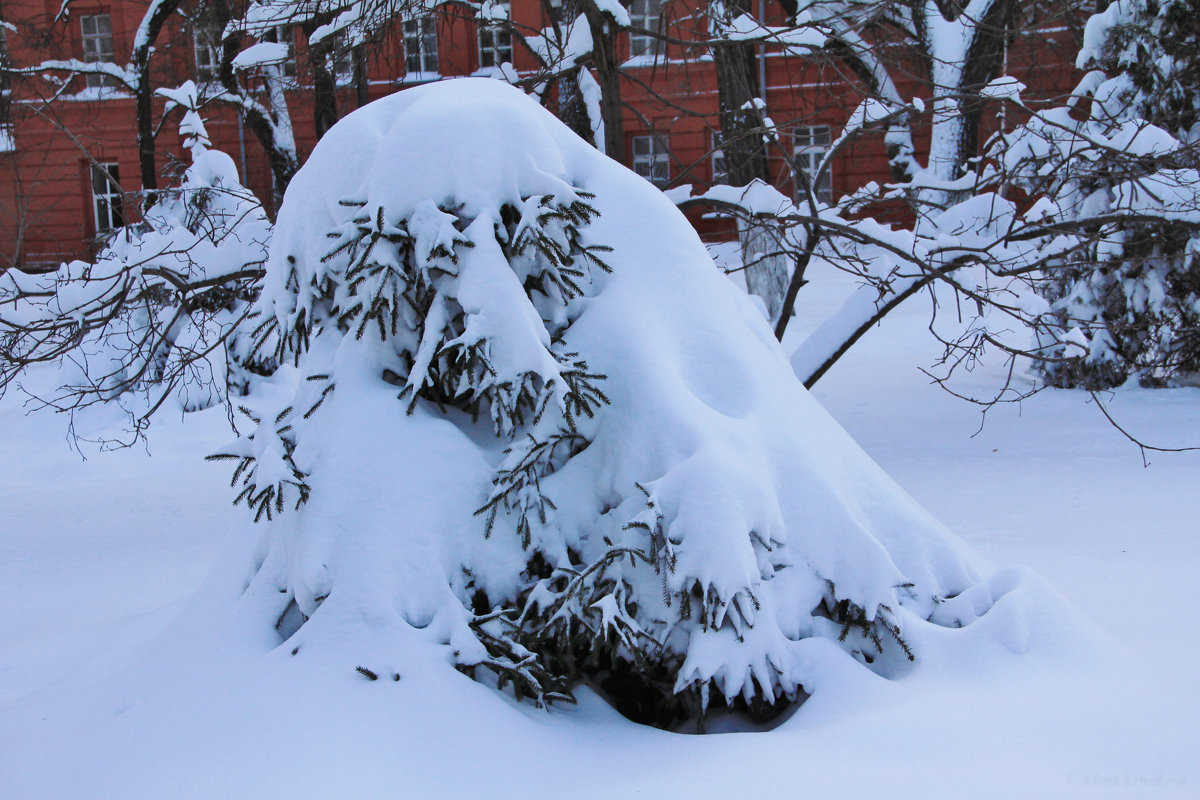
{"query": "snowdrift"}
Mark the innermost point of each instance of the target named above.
(535, 435)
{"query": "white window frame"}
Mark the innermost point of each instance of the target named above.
(97, 48)
(495, 40)
(644, 14)
(8, 140)
(285, 35)
(419, 34)
(108, 204)
(341, 58)
(810, 145)
(652, 158)
(206, 46)
(720, 171)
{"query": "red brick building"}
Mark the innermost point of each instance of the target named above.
(56, 204)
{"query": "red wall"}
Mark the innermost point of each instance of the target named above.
(45, 198)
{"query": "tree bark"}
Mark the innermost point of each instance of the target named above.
(737, 89)
(148, 32)
(362, 84)
(282, 160)
(985, 63)
(744, 149)
(572, 109)
(325, 113)
(608, 75)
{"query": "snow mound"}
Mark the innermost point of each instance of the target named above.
(537, 436)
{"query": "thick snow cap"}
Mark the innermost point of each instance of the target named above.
(704, 524)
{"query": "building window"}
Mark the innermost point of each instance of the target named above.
(341, 58)
(495, 40)
(206, 40)
(644, 14)
(284, 34)
(8, 142)
(811, 144)
(651, 159)
(720, 174)
(98, 48)
(107, 201)
(420, 47)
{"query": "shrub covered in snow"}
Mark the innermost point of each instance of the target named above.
(1120, 207)
(535, 434)
(1149, 49)
(1122, 187)
(161, 311)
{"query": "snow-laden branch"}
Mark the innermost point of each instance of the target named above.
(160, 313)
(126, 76)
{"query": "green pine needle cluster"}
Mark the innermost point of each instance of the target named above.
(271, 497)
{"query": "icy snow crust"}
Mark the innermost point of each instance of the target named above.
(770, 528)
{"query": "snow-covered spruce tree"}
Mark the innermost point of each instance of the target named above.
(1150, 49)
(160, 316)
(537, 435)
(1130, 286)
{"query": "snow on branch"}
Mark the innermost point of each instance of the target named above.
(261, 54)
(794, 39)
(126, 76)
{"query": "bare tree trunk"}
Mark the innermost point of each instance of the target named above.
(766, 269)
(572, 109)
(325, 113)
(737, 91)
(275, 132)
(280, 155)
(744, 148)
(608, 75)
(147, 34)
(362, 86)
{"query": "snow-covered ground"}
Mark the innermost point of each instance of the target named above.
(103, 560)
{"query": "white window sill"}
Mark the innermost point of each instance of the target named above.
(92, 94)
(652, 60)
